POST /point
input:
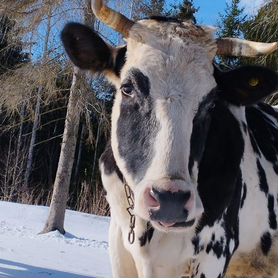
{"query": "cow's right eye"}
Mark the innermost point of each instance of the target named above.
(127, 90)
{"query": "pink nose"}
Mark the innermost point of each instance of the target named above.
(168, 206)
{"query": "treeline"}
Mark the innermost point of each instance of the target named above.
(39, 89)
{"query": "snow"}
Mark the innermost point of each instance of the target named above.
(82, 252)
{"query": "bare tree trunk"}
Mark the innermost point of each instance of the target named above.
(15, 174)
(59, 199)
(35, 127)
(77, 165)
(36, 123)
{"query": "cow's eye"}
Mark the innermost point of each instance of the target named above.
(127, 90)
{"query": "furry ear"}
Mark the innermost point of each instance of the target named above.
(246, 85)
(88, 51)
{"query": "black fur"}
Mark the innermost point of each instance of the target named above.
(266, 243)
(262, 178)
(244, 188)
(164, 19)
(87, 50)
(110, 166)
(236, 85)
(137, 125)
(224, 146)
(272, 215)
(147, 235)
(264, 136)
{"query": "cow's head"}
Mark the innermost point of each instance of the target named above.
(163, 75)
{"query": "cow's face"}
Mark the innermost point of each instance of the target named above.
(161, 76)
(160, 86)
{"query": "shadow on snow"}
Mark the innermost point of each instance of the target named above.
(14, 269)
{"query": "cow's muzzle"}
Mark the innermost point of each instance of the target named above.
(171, 209)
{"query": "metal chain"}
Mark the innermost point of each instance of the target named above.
(130, 199)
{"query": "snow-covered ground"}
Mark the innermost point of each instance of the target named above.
(82, 252)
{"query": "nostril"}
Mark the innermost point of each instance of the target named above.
(151, 199)
(189, 201)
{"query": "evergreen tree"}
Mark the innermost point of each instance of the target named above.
(231, 25)
(148, 8)
(263, 27)
(11, 53)
(185, 11)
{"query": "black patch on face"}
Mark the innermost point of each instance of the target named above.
(262, 178)
(203, 275)
(244, 188)
(147, 235)
(266, 243)
(272, 215)
(263, 133)
(137, 125)
(110, 166)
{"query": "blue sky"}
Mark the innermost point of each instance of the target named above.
(208, 14)
(209, 10)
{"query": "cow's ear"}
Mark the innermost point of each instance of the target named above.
(246, 85)
(88, 51)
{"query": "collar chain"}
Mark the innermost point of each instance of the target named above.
(130, 199)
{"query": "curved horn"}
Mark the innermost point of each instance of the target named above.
(244, 48)
(111, 18)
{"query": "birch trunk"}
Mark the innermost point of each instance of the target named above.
(59, 199)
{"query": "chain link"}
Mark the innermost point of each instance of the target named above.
(130, 199)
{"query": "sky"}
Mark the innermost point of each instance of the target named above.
(209, 10)
(208, 14)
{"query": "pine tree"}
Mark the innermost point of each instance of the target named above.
(148, 8)
(263, 27)
(185, 11)
(231, 25)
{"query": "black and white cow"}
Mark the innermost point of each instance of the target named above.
(193, 144)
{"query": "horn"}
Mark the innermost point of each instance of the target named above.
(113, 19)
(244, 48)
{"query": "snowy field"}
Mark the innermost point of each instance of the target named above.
(82, 252)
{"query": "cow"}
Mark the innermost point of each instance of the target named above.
(191, 169)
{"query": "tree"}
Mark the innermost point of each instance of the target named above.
(148, 8)
(185, 11)
(263, 27)
(231, 25)
(59, 198)
(11, 54)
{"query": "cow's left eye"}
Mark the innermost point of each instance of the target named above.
(127, 90)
